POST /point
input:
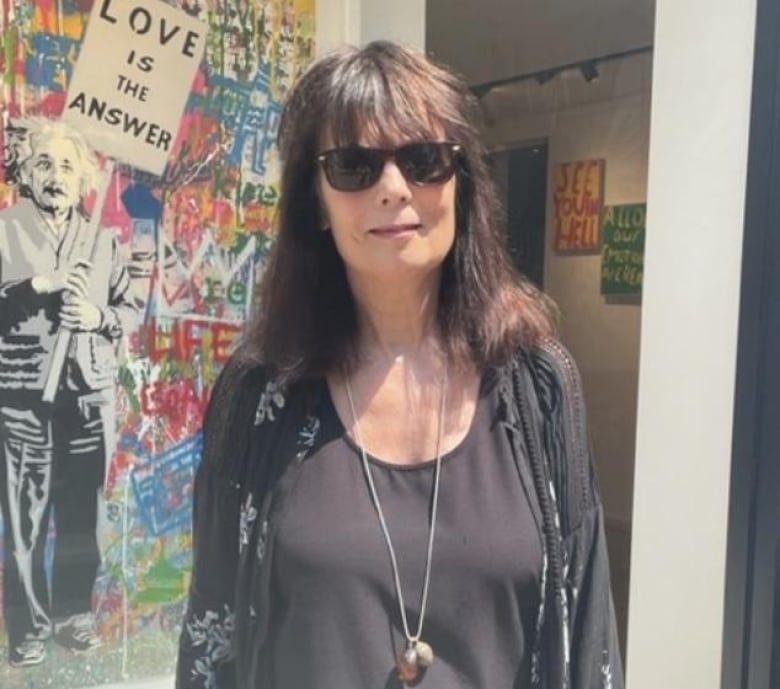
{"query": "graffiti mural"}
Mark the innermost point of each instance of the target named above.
(128, 290)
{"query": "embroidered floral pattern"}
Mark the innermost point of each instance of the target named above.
(271, 399)
(606, 672)
(212, 635)
(248, 516)
(308, 434)
(536, 653)
(261, 541)
(561, 592)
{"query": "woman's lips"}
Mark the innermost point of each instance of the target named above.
(390, 231)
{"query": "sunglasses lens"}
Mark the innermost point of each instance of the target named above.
(352, 169)
(426, 163)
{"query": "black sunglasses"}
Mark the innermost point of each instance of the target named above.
(358, 167)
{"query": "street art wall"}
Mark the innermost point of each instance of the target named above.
(136, 211)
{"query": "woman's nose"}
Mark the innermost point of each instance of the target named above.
(392, 185)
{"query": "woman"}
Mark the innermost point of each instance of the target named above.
(396, 485)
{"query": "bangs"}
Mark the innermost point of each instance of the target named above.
(370, 104)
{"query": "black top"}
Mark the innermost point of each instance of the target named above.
(258, 436)
(334, 613)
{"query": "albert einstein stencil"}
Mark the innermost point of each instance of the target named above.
(62, 279)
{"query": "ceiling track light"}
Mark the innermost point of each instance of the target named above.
(548, 75)
(589, 71)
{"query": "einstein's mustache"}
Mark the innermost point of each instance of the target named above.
(54, 190)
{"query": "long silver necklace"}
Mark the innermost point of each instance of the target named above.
(417, 653)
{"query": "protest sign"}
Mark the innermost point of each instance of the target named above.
(132, 79)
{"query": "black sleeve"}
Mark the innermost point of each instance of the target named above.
(594, 651)
(206, 654)
(206, 658)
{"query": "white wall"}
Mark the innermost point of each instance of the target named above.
(360, 21)
(399, 20)
(336, 22)
(698, 154)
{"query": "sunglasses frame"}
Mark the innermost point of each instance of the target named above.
(386, 154)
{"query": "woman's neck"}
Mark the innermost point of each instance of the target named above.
(396, 321)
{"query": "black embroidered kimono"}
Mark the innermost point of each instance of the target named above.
(237, 504)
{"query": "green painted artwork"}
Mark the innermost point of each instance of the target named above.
(623, 246)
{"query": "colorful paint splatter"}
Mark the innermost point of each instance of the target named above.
(194, 242)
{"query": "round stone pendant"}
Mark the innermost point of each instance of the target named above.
(424, 653)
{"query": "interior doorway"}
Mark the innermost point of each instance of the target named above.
(521, 173)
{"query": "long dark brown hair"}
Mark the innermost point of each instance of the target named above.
(306, 320)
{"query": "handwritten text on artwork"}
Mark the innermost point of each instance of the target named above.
(578, 197)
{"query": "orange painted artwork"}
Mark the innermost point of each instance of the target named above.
(578, 199)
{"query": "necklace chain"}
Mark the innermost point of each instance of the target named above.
(411, 639)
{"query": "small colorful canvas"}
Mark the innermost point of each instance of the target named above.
(622, 256)
(578, 198)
